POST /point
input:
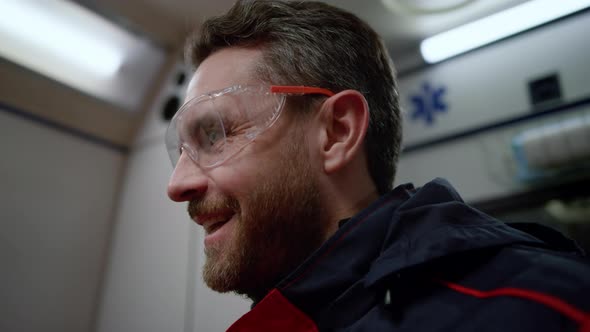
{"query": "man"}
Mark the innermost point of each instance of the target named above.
(286, 150)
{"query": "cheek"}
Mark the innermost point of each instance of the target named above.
(261, 162)
(242, 173)
(238, 177)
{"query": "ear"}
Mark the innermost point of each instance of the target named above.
(345, 119)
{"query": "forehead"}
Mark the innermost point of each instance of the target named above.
(224, 68)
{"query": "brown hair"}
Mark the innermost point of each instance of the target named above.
(315, 44)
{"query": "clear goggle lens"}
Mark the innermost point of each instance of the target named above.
(213, 127)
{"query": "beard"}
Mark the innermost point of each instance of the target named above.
(279, 229)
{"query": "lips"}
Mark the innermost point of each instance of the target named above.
(211, 222)
(212, 227)
(218, 230)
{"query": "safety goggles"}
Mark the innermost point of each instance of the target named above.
(214, 127)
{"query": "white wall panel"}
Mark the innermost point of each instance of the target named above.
(57, 195)
(145, 284)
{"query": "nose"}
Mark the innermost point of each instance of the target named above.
(188, 182)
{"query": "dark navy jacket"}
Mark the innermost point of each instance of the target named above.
(422, 260)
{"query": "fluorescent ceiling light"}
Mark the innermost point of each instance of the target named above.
(61, 40)
(497, 26)
(74, 46)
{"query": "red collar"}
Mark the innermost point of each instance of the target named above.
(274, 313)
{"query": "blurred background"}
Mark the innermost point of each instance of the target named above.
(499, 106)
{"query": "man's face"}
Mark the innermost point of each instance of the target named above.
(260, 209)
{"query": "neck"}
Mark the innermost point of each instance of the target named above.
(347, 202)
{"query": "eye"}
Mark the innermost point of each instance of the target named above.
(204, 132)
(210, 138)
(213, 136)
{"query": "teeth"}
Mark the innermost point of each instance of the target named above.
(215, 226)
(213, 223)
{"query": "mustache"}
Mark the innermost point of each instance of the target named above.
(211, 205)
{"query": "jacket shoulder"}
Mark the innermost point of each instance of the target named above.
(522, 285)
(515, 287)
(564, 275)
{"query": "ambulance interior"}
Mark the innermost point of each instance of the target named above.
(89, 239)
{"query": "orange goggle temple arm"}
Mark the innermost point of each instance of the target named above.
(303, 90)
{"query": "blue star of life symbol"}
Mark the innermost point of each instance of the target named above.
(428, 103)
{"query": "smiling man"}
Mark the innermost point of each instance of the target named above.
(259, 160)
(286, 150)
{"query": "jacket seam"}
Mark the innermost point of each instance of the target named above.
(555, 303)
